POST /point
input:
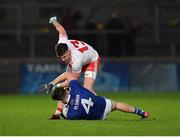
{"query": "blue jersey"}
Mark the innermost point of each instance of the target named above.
(83, 104)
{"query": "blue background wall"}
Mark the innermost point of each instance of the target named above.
(111, 76)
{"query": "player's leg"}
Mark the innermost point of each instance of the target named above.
(59, 107)
(90, 72)
(57, 113)
(124, 107)
(88, 83)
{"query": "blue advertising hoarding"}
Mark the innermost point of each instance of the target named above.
(111, 77)
(33, 75)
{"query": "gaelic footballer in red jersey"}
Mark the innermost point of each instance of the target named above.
(79, 57)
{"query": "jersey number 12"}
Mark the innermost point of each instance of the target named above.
(79, 45)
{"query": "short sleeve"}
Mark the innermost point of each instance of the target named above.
(62, 39)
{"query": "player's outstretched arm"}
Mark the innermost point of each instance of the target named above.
(58, 26)
(60, 78)
(65, 77)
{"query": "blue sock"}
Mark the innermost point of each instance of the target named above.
(139, 112)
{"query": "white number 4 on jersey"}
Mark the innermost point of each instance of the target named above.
(87, 104)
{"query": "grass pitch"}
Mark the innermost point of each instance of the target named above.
(28, 115)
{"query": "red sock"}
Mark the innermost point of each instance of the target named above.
(58, 110)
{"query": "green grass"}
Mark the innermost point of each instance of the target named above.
(28, 115)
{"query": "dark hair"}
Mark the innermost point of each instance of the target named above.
(59, 94)
(61, 49)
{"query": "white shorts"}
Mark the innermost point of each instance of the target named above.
(90, 69)
(65, 110)
(108, 108)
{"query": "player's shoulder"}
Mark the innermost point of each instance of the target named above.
(75, 42)
(74, 86)
(74, 81)
(71, 44)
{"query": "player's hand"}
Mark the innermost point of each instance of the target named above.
(46, 88)
(52, 19)
(54, 117)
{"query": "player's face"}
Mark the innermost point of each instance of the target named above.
(66, 57)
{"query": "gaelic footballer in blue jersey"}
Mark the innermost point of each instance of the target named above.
(81, 104)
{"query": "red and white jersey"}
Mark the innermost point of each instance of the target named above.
(81, 53)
